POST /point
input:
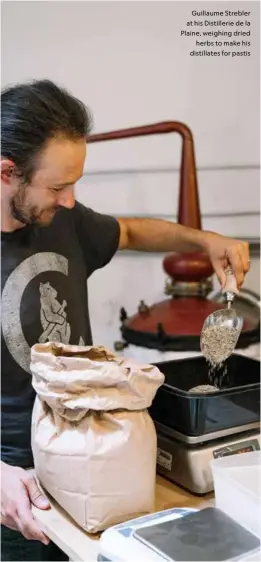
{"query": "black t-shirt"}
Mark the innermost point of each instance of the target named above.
(44, 298)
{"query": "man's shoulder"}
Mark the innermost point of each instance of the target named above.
(89, 225)
(79, 211)
(70, 217)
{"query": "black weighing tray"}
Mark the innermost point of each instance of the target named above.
(237, 403)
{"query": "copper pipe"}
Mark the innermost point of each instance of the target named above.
(188, 207)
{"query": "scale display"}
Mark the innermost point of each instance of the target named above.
(237, 449)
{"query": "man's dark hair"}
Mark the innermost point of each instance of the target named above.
(33, 113)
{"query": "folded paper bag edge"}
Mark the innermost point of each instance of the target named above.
(57, 349)
(111, 386)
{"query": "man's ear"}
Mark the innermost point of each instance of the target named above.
(8, 172)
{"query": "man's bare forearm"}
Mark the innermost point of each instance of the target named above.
(156, 235)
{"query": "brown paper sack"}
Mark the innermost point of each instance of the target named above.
(93, 440)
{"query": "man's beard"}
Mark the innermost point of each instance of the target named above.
(28, 214)
(23, 216)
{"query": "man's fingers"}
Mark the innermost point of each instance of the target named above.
(29, 528)
(219, 272)
(19, 491)
(20, 518)
(245, 256)
(237, 266)
(35, 494)
(26, 523)
(239, 259)
(9, 522)
(8, 514)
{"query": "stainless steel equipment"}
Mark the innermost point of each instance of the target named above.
(186, 460)
(221, 329)
(193, 428)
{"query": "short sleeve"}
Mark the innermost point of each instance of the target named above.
(98, 235)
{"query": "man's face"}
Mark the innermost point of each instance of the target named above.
(59, 167)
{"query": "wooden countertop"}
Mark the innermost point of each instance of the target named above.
(80, 545)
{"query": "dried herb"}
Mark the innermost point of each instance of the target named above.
(218, 342)
(204, 388)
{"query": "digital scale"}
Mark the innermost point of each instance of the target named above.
(195, 428)
(185, 460)
(131, 541)
(117, 543)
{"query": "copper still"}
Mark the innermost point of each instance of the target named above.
(175, 323)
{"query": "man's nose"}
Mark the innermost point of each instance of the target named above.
(67, 198)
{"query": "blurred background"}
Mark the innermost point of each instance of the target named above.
(129, 63)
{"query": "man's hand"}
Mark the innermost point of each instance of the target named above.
(224, 252)
(18, 490)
